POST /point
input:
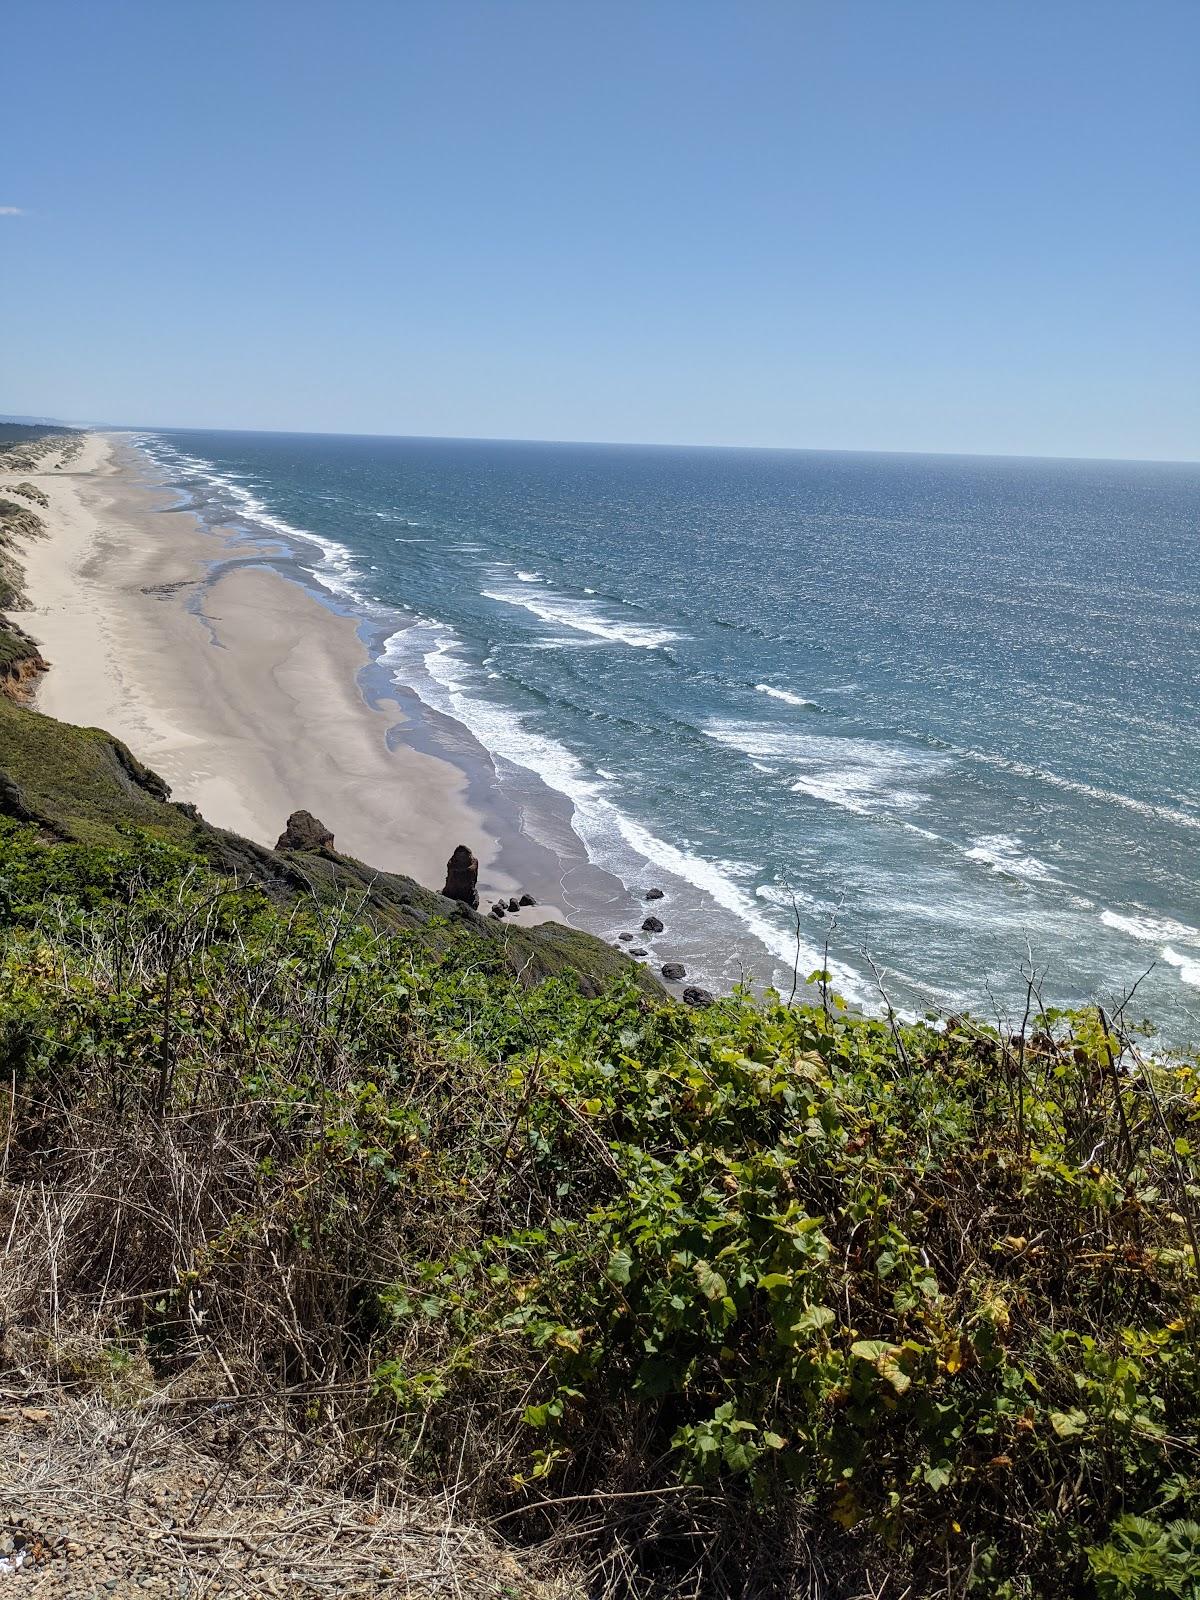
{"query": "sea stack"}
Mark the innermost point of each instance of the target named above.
(304, 832)
(462, 877)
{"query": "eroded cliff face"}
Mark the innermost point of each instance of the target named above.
(21, 662)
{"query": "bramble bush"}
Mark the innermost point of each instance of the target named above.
(731, 1297)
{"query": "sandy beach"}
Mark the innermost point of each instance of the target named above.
(222, 663)
(234, 683)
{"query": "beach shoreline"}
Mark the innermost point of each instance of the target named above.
(219, 652)
(234, 682)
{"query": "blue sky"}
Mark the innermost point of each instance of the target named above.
(866, 224)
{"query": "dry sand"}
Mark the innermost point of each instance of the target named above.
(231, 681)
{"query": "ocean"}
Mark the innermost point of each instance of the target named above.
(935, 716)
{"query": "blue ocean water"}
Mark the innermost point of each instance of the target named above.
(944, 706)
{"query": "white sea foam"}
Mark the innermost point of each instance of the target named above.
(1164, 933)
(531, 577)
(427, 657)
(1008, 857)
(856, 775)
(1150, 929)
(788, 899)
(335, 571)
(857, 789)
(1188, 967)
(785, 695)
(583, 617)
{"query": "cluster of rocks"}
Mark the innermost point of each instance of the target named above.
(672, 971)
(502, 908)
(306, 832)
(462, 884)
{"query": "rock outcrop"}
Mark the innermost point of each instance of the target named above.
(21, 662)
(674, 971)
(652, 925)
(304, 832)
(697, 997)
(654, 894)
(462, 877)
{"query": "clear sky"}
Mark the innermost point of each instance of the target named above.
(962, 225)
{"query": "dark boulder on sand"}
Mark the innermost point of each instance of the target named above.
(462, 877)
(654, 894)
(304, 832)
(527, 900)
(497, 912)
(652, 925)
(513, 905)
(697, 997)
(673, 971)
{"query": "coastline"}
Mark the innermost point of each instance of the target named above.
(233, 682)
(254, 689)
(246, 661)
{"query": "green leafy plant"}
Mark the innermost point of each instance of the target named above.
(762, 1264)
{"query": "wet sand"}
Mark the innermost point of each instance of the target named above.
(233, 682)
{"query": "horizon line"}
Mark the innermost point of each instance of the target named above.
(622, 444)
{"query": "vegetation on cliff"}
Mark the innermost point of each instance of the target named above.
(747, 1298)
(728, 1300)
(21, 448)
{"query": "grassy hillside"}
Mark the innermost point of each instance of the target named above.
(81, 785)
(749, 1299)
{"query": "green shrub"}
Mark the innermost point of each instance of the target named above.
(718, 1283)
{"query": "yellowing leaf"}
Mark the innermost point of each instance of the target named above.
(846, 1510)
(895, 1374)
(1067, 1424)
(871, 1349)
(712, 1284)
(883, 1357)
